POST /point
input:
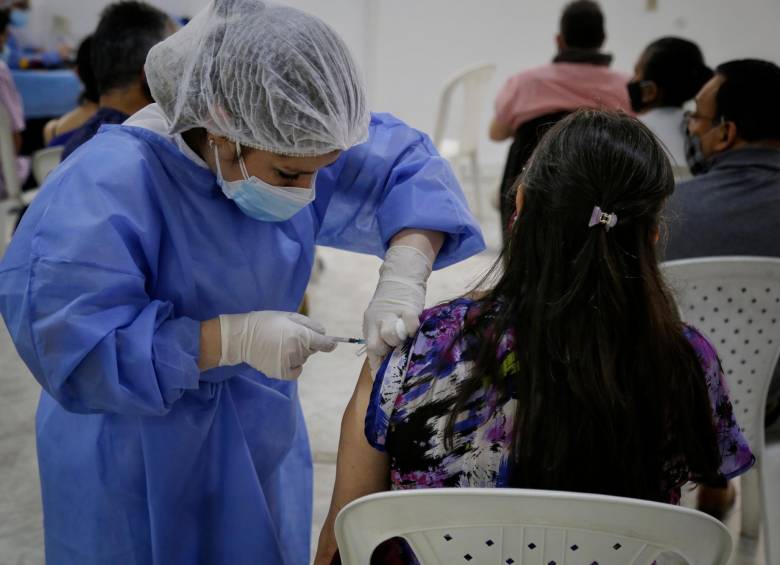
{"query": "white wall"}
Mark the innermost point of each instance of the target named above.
(408, 48)
(422, 43)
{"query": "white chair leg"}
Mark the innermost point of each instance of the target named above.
(477, 184)
(8, 222)
(751, 502)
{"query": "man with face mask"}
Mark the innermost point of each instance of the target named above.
(733, 148)
(124, 35)
(732, 205)
(20, 52)
(670, 71)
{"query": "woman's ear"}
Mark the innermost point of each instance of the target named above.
(225, 148)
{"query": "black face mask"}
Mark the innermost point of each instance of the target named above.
(635, 95)
(697, 162)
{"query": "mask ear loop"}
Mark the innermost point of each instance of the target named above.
(241, 163)
(723, 122)
(216, 157)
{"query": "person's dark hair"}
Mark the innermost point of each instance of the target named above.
(677, 67)
(86, 73)
(608, 389)
(5, 19)
(125, 33)
(749, 98)
(582, 25)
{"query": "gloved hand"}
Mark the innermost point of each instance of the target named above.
(274, 343)
(400, 295)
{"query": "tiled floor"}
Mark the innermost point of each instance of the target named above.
(337, 299)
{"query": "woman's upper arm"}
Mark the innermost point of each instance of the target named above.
(361, 469)
(736, 456)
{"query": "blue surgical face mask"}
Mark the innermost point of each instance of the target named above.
(261, 200)
(19, 18)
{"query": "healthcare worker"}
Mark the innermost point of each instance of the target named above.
(150, 289)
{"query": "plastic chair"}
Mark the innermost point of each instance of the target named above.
(44, 161)
(522, 527)
(474, 82)
(735, 302)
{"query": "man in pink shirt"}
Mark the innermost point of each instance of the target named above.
(579, 76)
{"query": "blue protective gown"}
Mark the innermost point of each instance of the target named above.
(128, 247)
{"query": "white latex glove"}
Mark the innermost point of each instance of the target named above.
(394, 312)
(274, 343)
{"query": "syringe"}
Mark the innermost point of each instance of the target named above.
(357, 340)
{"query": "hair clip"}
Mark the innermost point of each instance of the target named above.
(602, 218)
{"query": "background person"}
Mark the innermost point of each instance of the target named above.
(11, 102)
(57, 132)
(732, 205)
(23, 54)
(574, 371)
(169, 255)
(127, 30)
(669, 73)
(579, 76)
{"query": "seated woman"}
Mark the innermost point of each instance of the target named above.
(58, 132)
(669, 73)
(574, 371)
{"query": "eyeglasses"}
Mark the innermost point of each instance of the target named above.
(696, 116)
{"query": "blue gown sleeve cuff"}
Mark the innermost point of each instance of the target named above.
(176, 351)
(461, 240)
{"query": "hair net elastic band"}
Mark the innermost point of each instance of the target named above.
(286, 153)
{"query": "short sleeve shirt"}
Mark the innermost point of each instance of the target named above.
(410, 401)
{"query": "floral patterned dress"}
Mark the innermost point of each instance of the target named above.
(410, 403)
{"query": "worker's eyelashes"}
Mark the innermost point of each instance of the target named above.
(288, 176)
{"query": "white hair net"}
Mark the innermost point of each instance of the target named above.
(268, 76)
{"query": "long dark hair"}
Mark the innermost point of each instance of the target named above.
(608, 390)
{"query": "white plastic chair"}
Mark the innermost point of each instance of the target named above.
(474, 82)
(735, 302)
(523, 527)
(44, 161)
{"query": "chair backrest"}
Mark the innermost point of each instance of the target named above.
(8, 157)
(523, 527)
(474, 81)
(44, 161)
(735, 302)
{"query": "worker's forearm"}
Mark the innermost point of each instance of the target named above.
(210, 344)
(428, 242)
